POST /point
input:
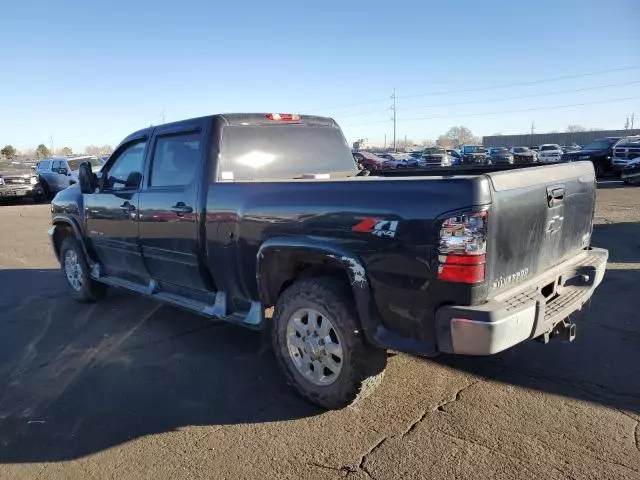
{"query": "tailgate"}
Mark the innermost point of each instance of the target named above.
(539, 217)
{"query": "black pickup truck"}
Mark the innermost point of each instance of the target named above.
(230, 215)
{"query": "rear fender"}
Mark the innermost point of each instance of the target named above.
(273, 271)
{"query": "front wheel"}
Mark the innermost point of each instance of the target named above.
(82, 287)
(320, 346)
(599, 169)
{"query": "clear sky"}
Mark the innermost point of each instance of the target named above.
(91, 72)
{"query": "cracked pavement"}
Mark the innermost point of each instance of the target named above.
(130, 389)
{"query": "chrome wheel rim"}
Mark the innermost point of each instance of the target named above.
(314, 346)
(73, 270)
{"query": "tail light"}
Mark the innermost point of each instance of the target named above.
(282, 117)
(462, 248)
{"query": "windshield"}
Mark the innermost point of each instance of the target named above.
(74, 163)
(500, 151)
(521, 149)
(283, 152)
(599, 145)
(434, 151)
(545, 148)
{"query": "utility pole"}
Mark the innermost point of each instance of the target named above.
(385, 141)
(394, 119)
(51, 143)
(533, 127)
(405, 142)
(626, 124)
(633, 114)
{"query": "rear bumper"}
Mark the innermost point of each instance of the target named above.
(522, 313)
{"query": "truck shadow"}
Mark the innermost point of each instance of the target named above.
(79, 379)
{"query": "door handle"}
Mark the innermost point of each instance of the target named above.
(180, 209)
(127, 207)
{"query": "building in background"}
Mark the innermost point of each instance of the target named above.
(565, 138)
(361, 144)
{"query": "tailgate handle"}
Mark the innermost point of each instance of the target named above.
(555, 195)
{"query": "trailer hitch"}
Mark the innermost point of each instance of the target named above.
(564, 329)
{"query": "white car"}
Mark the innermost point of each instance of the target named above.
(549, 152)
(56, 174)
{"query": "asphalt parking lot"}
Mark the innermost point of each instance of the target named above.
(130, 389)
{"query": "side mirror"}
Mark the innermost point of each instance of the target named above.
(88, 180)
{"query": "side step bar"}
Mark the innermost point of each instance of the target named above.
(218, 310)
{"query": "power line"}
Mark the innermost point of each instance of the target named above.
(495, 87)
(613, 100)
(499, 99)
(533, 95)
(521, 84)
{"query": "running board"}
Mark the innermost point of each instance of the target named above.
(218, 310)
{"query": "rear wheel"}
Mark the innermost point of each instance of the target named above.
(74, 265)
(320, 346)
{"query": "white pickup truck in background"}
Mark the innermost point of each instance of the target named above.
(549, 152)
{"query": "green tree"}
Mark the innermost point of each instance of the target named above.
(42, 151)
(9, 152)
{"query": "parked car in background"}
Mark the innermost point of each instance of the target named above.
(624, 152)
(436, 157)
(599, 152)
(455, 155)
(499, 156)
(474, 154)
(523, 155)
(20, 183)
(56, 174)
(396, 160)
(570, 148)
(549, 152)
(368, 160)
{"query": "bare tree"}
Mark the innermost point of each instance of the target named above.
(98, 150)
(460, 135)
(572, 128)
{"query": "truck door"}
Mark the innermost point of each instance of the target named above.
(112, 213)
(168, 205)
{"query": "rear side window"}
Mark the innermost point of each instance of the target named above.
(175, 160)
(283, 152)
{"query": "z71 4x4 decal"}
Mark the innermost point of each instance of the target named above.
(377, 226)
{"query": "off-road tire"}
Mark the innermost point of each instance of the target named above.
(91, 290)
(362, 365)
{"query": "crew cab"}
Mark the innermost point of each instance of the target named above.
(599, 152)
(231, 215)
